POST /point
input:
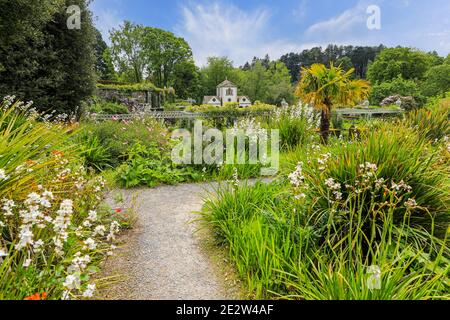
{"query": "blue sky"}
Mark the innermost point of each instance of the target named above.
(247, 28)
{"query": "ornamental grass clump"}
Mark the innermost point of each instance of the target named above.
(364, 177)
(432, 121)
(51, 229)
(296, 125)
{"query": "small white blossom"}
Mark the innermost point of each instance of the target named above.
(27, 263)
(25, 237)
(99, 230)
(3, 175)
(89, 292)
(411, 203)
(72, 282)
(90, 244)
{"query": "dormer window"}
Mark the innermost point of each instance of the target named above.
(214, 100)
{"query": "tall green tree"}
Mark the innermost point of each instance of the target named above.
(42, 59)
(269, 84)
(164, 52)
(144, 53)
(127, 51)
(216, 70)
(104, 66)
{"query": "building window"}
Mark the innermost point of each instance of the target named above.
(229, 99)
(214, 100)
(229, 92)
(243, 99)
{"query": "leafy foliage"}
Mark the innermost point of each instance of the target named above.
(151, 166)
(346, 56)
(398, 86)
(144, 53)
(408, 63)
(45, 61)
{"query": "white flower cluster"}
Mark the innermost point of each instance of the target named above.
(401, 186)
(335, 188)
(297, 180)
(235, 181)
(301, 111)
(3, 175)
(323, 160)
(249, 127)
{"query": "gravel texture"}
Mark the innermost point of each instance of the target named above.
(162, 258)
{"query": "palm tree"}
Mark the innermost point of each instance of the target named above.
(325, 88)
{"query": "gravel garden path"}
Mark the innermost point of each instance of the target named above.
(162, 256)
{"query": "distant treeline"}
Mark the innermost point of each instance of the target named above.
(348, 57)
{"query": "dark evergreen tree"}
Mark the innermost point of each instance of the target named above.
(42, 59)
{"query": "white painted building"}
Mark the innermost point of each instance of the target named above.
(227, 92)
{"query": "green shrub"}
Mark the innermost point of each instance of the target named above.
(96, 156)
(116, 137)
(398, 86)
(151, 166)
(103, 107)
(277, 249)
(437, 81)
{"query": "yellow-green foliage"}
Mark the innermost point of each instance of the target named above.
(233, 108)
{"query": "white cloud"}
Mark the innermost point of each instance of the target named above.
(337, 26)
(222, 29)
(105, 18)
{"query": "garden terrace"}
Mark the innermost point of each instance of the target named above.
(138, 97)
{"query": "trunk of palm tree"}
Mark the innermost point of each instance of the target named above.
(325, 124)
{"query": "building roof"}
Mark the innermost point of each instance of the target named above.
(227, 83)
(207, 99)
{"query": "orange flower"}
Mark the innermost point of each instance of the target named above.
(30, 163)
(57, 153)
(37, 296)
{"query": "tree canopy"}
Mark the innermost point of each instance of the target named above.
(144, 53)
(357, 57)
(410, 64)
(42, 59)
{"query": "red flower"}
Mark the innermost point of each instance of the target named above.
(118, 210)
(37, 296)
